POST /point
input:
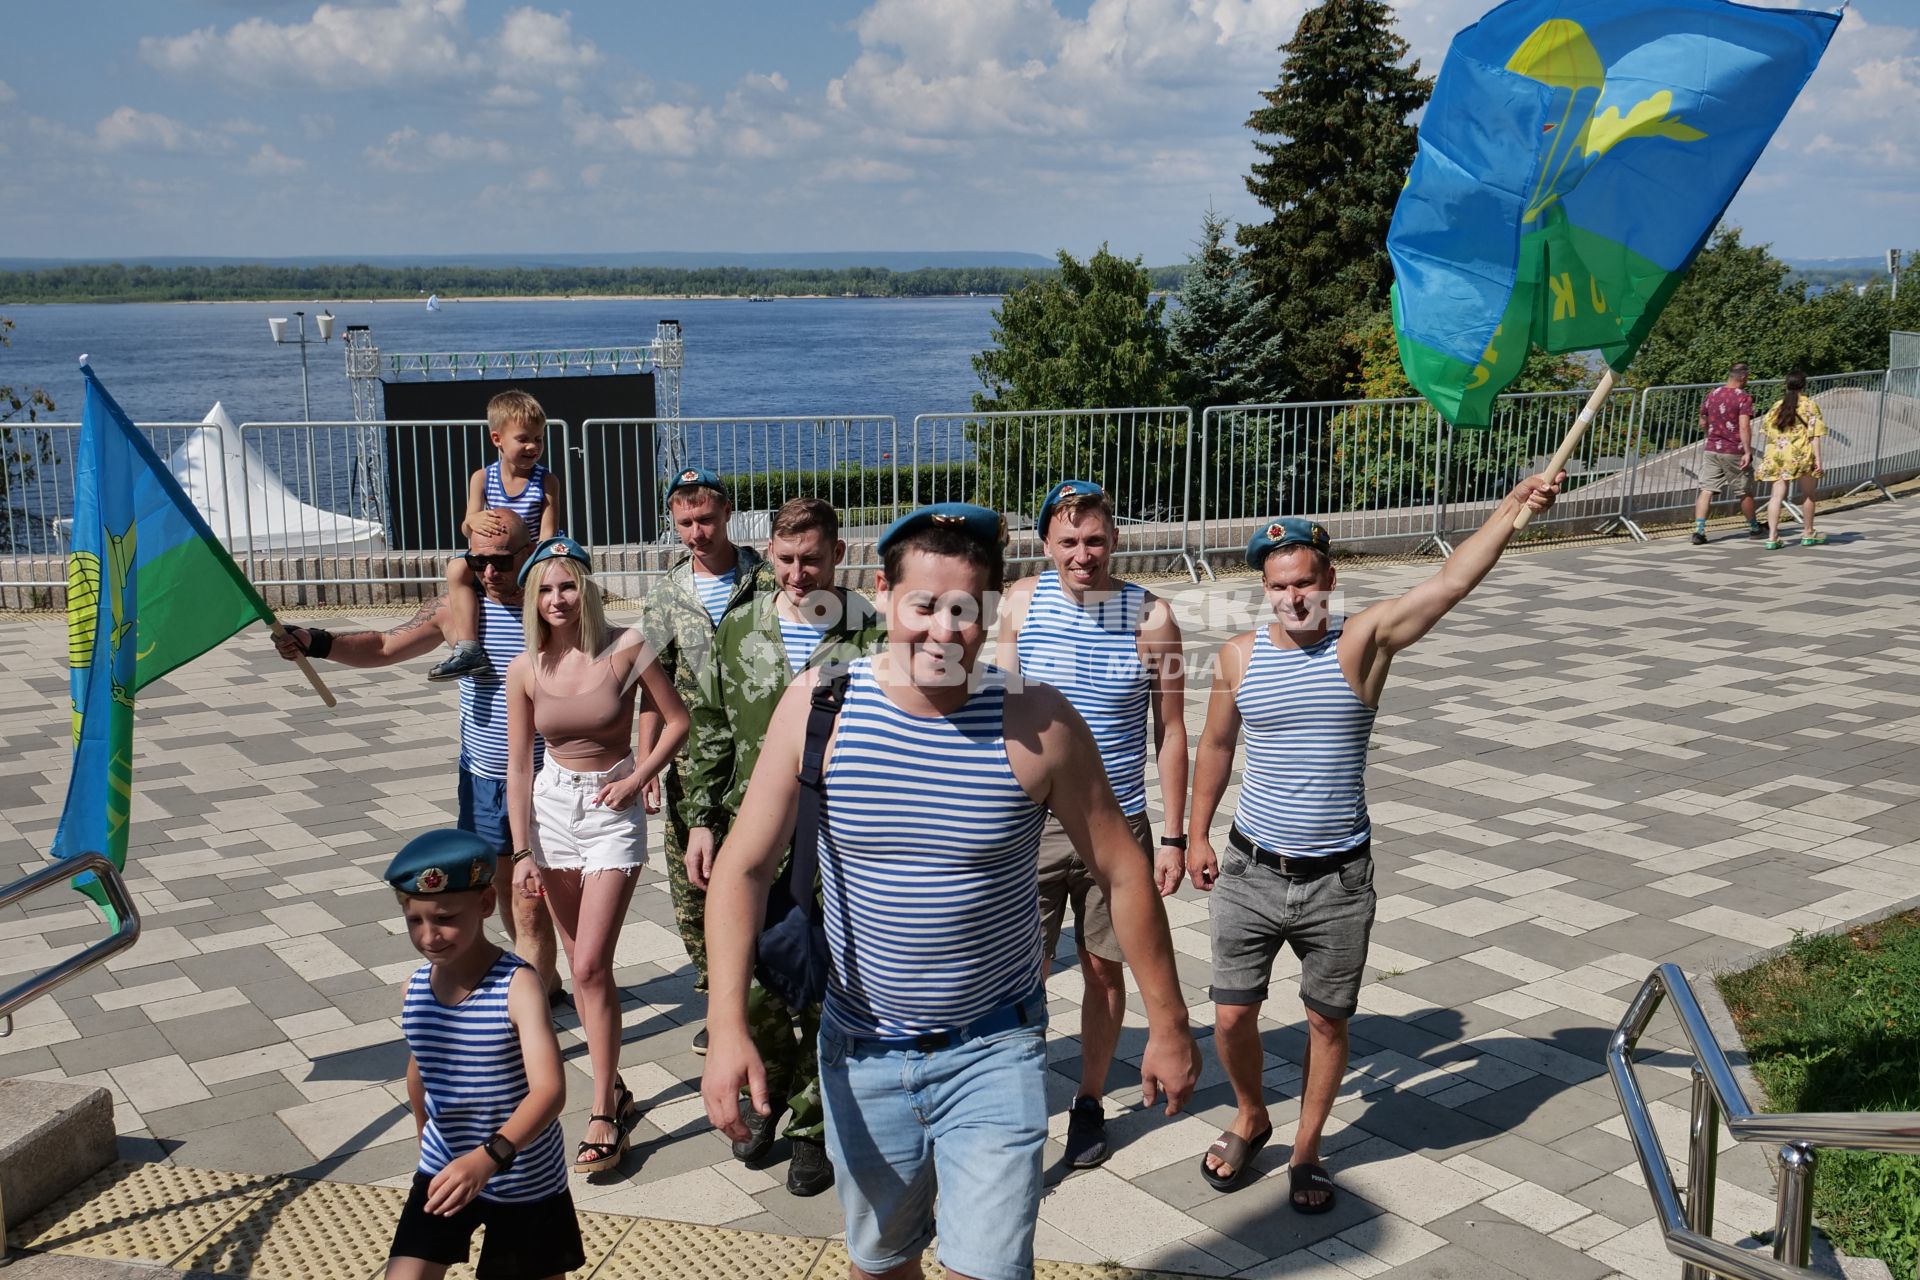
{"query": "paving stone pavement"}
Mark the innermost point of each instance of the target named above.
(1611, 755)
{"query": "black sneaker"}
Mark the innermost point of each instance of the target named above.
(810, 1172)
(1756, 531)
(1699, 538)
(463, 663)
(700, 1042)
(1086, 1134)
(760, 1131)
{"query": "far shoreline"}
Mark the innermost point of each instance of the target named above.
(357, 301)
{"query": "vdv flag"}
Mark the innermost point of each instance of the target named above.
(1574, 158)
(148, 590)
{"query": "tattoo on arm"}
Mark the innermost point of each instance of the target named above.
(421, 618)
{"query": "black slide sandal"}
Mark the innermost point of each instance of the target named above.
(1236, 1151)
(1302, 1178)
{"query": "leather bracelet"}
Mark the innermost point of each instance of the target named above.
(319, 642)
(1175, 842)
(518, 854)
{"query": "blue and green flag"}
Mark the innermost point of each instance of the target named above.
(1574, 159)
(149, 589)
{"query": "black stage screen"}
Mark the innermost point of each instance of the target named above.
(606, 474)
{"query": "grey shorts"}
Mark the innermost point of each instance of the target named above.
(1722, 472)
(1325, 918)
(1065, 879)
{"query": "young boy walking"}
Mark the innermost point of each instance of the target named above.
(517, 482)
(484, 1080)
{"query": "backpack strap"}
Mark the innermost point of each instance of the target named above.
(803, 861)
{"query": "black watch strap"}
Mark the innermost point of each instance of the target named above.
(1174, 842)
(494, 1145)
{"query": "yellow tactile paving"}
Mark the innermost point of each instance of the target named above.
(273, 1228)
(687, 1251)
(145, 1212)
(304, 1231)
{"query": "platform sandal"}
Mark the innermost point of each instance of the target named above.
(595, 1157)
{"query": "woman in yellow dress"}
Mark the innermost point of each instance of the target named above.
(1794, 430)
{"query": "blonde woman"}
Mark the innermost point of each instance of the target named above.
(579, 829)
(1794, 430)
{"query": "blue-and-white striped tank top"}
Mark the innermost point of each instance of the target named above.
(483, 699)
(1092, 655)
(800, 639)
(715, 592)
(928, 863)
(527, 503)
(1303, 792)
(469, 1056)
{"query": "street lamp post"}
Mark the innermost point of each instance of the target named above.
(278, 328)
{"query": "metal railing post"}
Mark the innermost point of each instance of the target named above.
(1703, 1158)
(1793, 1218)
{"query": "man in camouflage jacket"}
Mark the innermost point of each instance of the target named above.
(751, 667)
(679, 625)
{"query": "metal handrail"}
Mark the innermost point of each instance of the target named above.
(1687, 1222)
(29, 989)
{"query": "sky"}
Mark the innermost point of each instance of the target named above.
(289, 128)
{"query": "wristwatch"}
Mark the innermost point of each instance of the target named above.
(1175, 842)
(494, 1145)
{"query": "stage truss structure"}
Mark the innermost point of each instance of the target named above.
(368, 367)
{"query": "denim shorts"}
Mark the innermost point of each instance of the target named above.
(571, 833)
(483, 810)
(969, 1121)
(1326, 919)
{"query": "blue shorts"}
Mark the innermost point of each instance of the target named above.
(969, 1120)
(483, 810)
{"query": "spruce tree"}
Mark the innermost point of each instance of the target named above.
(1336, 145)
(1222, 338)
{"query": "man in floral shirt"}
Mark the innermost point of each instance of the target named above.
(794, 618)
(1726, 461)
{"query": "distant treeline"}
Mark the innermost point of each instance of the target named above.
(114, 282)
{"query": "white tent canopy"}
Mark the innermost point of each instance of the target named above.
(248, 508)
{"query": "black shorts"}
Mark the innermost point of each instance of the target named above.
(524, 1241)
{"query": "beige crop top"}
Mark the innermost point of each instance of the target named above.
(589, 723)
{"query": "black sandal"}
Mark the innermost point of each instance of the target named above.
(1234, 1150)
(1302, 1178)
(594, 1157)
(624, 1106)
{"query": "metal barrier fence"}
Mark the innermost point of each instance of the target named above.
(367, 505)
(1008, 461)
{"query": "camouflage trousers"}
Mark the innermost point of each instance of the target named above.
(689, 903)
(789, 1045)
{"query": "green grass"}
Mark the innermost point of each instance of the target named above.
(1834, 1025)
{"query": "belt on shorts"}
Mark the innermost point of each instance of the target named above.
(1004, 1018)
(1298, 868)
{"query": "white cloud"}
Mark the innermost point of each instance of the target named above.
(865, 169)
(270, 162)
(539, 47)
(509, 96)
(406, 150)
(240, 127)
(130, 127)
(7, 93)
(316, 125)
(339, 47)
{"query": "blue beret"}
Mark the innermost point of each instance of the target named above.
(1065, 489)
(978, 523)
(442, 862)
(1287, 531)
(558, 548)
(696, 478)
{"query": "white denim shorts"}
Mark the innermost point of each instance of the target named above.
(571, 833)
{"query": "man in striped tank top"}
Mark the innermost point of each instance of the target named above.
(678, 618)
(484, 1082)
(936, 780)
(495, 554)
(1113, 648)
(1297, 869)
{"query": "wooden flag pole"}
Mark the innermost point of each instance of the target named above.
(313, 677)
(1558, 462)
